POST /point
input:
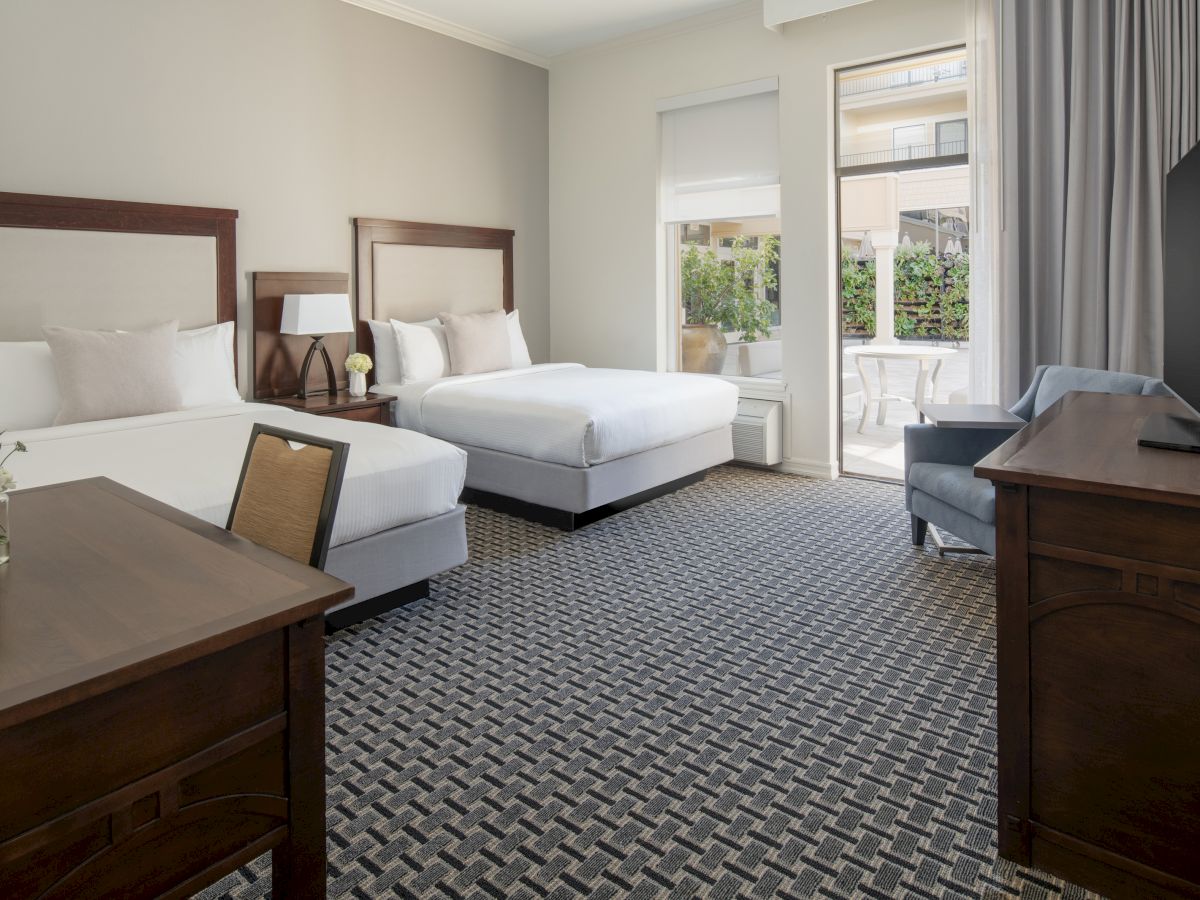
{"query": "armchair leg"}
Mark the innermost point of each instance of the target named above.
(919, 529)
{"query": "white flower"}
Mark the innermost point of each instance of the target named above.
(359, 362)
(7, 482)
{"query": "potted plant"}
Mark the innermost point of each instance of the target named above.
(725, 295)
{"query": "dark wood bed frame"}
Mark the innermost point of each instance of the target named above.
(81, 214)
(369, 232)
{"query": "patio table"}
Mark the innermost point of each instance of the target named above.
(929, 366)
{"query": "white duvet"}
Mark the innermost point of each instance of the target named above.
(565, 413)
(191, 460)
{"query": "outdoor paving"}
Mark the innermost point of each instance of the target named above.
(879, 450)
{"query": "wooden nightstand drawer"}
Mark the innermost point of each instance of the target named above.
(371, 408)
(363, 414)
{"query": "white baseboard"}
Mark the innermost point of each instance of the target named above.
(811, 467)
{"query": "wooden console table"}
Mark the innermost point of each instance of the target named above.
(1098, 645)
(161, 701)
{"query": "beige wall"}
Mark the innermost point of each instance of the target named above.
(609, 294)
(299, 113)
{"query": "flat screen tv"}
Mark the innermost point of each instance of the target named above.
(1181, 307)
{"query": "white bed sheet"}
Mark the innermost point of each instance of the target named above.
(191, 460)
(566, 413)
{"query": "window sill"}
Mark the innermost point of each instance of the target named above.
(750, 387)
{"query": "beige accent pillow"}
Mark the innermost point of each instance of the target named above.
(114, 374)
(478, 342)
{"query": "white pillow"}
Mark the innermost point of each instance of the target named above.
(422, 349)
(114, 374)
(30, 398)
(478, 342)
(204, 366)
(387, 353)
(516, 341)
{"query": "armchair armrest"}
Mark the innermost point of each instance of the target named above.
(951, 446)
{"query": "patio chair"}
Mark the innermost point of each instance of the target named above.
(940, 487)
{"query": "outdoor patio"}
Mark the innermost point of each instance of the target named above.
(879, 450)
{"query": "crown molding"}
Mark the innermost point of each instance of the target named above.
(397, 10)
(710, 19)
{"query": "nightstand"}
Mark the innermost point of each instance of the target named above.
(371, 408)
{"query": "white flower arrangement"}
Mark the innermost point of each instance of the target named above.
(359, 362)
(7, 480)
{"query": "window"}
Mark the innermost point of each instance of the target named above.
(719, 183)
(952, 137)
(730, 282)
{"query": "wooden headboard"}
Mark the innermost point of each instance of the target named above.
(412, 271)
(112, 264)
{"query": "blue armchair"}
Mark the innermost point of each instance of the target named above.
(940, 487)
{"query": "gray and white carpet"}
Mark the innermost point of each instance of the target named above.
(752, 688)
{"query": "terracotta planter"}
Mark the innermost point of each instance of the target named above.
(703, 349)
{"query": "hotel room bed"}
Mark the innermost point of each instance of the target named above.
(397, 483)
(570, 438)
(558, 443)
(96, 264)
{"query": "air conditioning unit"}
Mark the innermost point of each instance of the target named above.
(758, 432)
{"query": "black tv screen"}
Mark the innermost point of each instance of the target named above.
(1181, 280)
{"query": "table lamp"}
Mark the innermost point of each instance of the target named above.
(316, 315)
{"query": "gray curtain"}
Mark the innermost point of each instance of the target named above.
(1098, 99)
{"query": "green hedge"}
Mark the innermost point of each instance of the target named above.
(932, 293)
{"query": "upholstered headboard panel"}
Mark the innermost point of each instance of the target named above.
(412, 271)
(108, 264)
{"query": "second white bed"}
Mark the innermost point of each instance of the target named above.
(565, 413)
(564, 444)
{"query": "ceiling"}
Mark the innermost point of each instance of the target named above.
(537, 30)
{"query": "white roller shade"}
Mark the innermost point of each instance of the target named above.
(720, 160)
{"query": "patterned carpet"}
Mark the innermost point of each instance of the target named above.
(752, 688)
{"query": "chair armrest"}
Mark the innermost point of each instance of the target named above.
(951, 446)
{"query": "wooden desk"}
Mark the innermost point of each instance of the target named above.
(1098, 644)
(161, 701)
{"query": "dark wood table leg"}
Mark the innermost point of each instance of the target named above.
(298, 864)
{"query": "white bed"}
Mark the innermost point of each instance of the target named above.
(191, 459)
(565, 413)
(559, 443)
(96, 264)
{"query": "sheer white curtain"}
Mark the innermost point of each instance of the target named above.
(1098, 100)
(983, 103)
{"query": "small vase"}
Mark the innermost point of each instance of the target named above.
(358, 384)
(5, 529)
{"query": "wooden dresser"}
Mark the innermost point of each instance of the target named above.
(161, 701)
(1098, 642)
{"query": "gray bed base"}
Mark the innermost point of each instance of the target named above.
(393, 567)
(543, 489)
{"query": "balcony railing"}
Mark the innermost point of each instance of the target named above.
(904, 154)
(854, 85)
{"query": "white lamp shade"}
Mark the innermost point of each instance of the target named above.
(316, 314)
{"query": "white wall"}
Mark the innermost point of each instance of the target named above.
(301, 114)
(608, 291)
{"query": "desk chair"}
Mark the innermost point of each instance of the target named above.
(288, 491)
